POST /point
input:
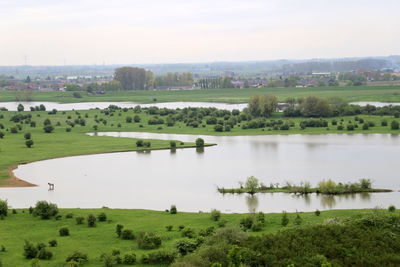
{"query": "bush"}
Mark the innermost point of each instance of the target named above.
(384, 123)
(77, 256)
(44, 254)
(45, 210)
(118, 229)
(169, 228)
(30, 250)
(48, 128)
(127, 234)
(161, 257)
(64, 231)
(79, 220)
(172, 144)
(284, 219)
(77, 95)
(102, 217)
(186, 246)
(91, 220)
(27, 136)
(53, 243)
(173, 210)
(188, 232)
(317, 213)
(148, 240)
(3, 207)
(298, 220)
(1, 135)
(69, 215)
(139, 143)
(394, 125)
(199, 142)
(392, 208)
(215, 215)
(129, 258)
(29, 143)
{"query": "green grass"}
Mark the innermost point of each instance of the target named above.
(16, 228)
(361, 93)
(60, 143)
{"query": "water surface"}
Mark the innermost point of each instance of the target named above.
(189, 178)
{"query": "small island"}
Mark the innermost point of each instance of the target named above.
(328, 187)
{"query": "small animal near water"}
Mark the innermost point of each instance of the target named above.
(51, 186)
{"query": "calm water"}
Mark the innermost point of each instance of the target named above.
(90, 105)
(188, 178)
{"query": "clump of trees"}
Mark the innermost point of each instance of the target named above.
(262, 105)
(45, 210)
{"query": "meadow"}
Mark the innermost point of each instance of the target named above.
(16, 228)
(348, 93)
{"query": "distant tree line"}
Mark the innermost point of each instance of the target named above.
(215, 83)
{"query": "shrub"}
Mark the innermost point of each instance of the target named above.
(392, 208)
(129, 258)
(317, 213)
(215, 215)
(139, 143)
(48, 128)
(14, 129)
(246, 223)
(185, 246)
(181, 227)
(365, 183)
(77, 95)
(172, 144)
(169, 228)
(118, 229)
(3, 207)
(148, 240)
(30, 250)
(128, 119)
(53, 243)
(173, 209)
(79, 220)
(257, 226)
(199, 142)
(394, 125)
(384, 123)
(188, 232)
(136, 118)
(161, 257)
(77, 256)
(29, 143)
(69, 215)
(1, 135)
(64, 231)
(298, 220)
(127, 234)
(108, 260)
(27, 136)
(284, 219)
(44, 254)
(45, 209)
(102, 217)
(91, 220)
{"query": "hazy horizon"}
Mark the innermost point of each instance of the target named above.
(44, 33)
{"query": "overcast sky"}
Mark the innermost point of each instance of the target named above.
(53, 32)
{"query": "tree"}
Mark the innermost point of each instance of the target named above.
(199, 142)
(48, 128)
(268, 105)
(27, 136)
(252, 184)
(28, 79)
(20, 107)
(29, 143)
(313, 106)
(254, 105)
(45, 209)
(394, 125)
(3, 208)
(131, 78)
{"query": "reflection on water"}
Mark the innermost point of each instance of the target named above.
(200, 150)
(252, 203)
(328, 201)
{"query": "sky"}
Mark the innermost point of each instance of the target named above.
(80, 32)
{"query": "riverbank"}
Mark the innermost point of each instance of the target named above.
(15, 228)
(291, 191)
(349, 93)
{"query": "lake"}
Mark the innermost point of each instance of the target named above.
(189, 178)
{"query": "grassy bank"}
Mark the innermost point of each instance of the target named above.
(61, 143)
(361, 93)
(15, 228)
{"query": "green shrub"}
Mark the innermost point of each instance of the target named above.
(53, 243)
(169, 228)
(3, 207)
(139, 143)
(215, 215)
(284, 219)
(127, 234)
(298, 220)
(64, 231)
(188, 232)
(392, 208)
(69, 215)
(199, 142)
(45, 210)
(129, 258)
(77, 256)
(173, 210)
(186, 246)
(102, 217)
(148, 240)
(79, 220)
(317, 213)
(172, 144)
(161, 257)
(44, 254)
(27, 136)
(394, 125)
(48, 128)
(30, 250)
(91, 220)
(118, 229)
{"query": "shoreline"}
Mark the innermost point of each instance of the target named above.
(14, 181)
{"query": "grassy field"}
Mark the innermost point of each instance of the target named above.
(361, 93)
(16, 228)
(61, 143)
